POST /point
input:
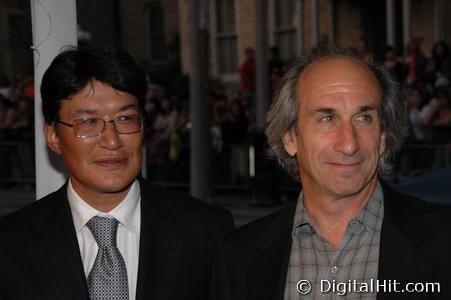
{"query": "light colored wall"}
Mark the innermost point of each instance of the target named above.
(349, 25)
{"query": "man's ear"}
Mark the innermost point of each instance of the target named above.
(289, 143)
(52, 138)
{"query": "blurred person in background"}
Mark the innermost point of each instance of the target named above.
(166, 119)
(442, 106)
(165, 126)
(440, 64)
(247, 77)
(235, 135)
(415, 63)
(392, 63)
(420, 113)
(275, 67)
(22, 132)
(7, 114)
(28, 86)
(441, 126)
(361, 50)
(6, 89)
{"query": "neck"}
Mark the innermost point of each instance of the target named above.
(331, 214)
(101, 201)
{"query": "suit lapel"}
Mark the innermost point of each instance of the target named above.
(57, 255)
(402, 255)
(267, 271)
(160, 247)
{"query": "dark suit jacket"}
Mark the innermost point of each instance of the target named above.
(40, 257)
(415, 247)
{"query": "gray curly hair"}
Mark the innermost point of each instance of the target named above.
(283, 114)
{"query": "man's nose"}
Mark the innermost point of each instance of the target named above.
(110, 138)
(347, 139)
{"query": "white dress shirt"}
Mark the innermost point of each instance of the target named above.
(128, 213)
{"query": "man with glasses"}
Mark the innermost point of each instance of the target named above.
(106, 233)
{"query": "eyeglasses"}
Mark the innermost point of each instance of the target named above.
(91, 127)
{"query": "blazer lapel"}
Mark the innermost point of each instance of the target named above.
(57, 256)
(402, 255)
(268, 270)
(160, 248)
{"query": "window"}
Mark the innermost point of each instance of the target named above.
(285, 30)
(157, 34)
(226, 40)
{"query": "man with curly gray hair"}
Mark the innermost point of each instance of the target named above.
(335, 125)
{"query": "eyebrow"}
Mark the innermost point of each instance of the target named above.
(366, 108)
(329, 110)
(129, 106)
(81, 112)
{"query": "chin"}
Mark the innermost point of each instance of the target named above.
(349, 187)
(115, 185)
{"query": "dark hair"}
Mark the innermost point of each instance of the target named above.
(443, 92)
(445, 50)
(72, 70)
(283, 114)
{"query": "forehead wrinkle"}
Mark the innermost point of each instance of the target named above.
(338, 88)
(334, 79)
(339, 67)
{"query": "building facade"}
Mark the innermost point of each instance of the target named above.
(157, 32)
(296, 26)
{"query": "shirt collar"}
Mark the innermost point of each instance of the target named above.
(302, 222)
(368, 216)
(373, 210)
(126, 212)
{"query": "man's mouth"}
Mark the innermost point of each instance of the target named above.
(348, 166)
(112, 162)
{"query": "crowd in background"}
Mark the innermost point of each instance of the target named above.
(168, 128)
(16, 129)
(425, 79)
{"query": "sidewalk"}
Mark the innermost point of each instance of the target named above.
(243, 209)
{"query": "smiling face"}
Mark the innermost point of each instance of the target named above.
(104, 165)
(338, 139)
